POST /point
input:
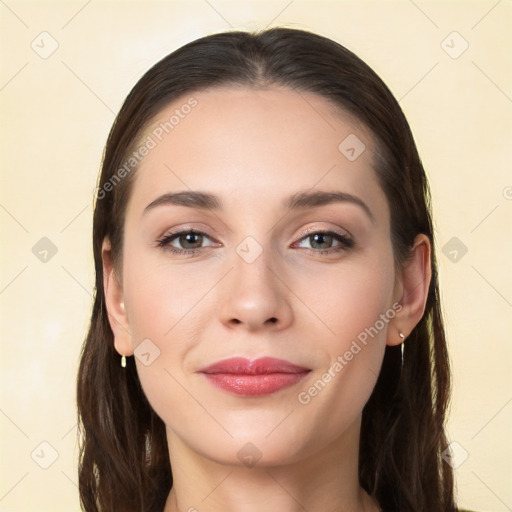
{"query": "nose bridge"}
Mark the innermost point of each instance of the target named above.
(254, 295)
(253, 266)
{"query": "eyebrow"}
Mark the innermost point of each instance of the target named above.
(298, 201)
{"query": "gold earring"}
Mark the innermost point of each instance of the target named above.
(401, 334)
(123, 361)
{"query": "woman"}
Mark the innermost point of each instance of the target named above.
(264, 252)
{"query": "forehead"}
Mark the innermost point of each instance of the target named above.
(246, 144)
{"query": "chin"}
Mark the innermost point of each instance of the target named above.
(260, 447)
(250, 452)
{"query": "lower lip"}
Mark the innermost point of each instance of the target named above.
(254, 385)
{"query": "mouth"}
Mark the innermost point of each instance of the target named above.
(260, 377)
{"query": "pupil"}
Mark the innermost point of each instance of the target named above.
(189, 239)
(322, 239)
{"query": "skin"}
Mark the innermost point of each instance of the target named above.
(253, 148)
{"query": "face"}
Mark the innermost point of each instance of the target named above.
(258, 272)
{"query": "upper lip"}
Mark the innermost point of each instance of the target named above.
(260, 366)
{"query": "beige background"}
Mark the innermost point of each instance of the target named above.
(56, 113)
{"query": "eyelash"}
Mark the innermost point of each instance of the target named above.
(345, 242)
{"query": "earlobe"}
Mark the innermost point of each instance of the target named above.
(415, 280)
(114, 301)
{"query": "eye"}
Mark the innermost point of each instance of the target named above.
(326, 242)
(190, 241)
(187, 241)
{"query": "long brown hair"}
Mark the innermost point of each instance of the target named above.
(124, 463)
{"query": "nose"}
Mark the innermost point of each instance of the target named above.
(254, 297)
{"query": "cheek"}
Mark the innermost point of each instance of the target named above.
(160, 298)
(356, 306)
(349, 299)
(167, 307)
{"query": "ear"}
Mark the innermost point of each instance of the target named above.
(411, 290)
(114, 300)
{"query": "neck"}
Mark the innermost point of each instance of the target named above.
(326, 481)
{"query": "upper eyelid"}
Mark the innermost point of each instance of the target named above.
(339, 231)
(176, 234)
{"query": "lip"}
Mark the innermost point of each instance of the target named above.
(259, 377)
